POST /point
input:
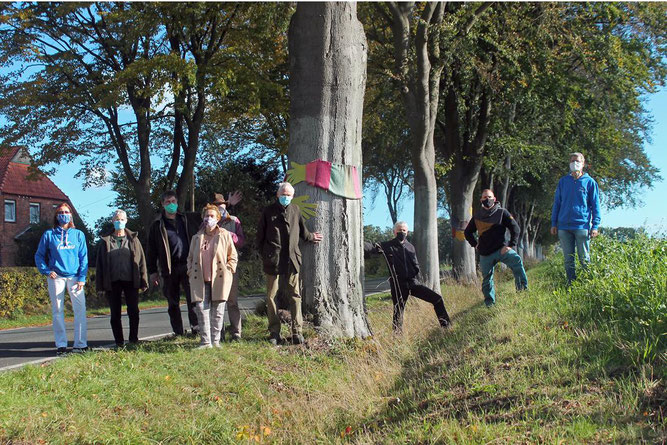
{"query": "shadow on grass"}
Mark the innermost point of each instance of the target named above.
(448, 379)
(421, 373)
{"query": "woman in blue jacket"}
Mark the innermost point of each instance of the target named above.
(62, 256)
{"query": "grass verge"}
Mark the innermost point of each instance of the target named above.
(514, 374)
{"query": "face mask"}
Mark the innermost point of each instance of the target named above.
(210, 222)
(223, 213)
(119, 225)
(488, 202)
(171, 208)
(285, 200)
(64, 218)
(576, 166)
(401, 236)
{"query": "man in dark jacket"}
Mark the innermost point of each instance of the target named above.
(167, 253)
(280, 227)
(491, 222)
(402, 258)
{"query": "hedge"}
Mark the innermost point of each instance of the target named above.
(23, 291)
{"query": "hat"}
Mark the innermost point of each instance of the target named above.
(219, 199)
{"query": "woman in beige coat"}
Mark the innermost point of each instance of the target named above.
(211, 265)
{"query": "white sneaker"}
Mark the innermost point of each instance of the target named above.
(206, 346)
(216, 344)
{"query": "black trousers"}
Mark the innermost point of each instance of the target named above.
(118, 288)
(172, 291)
(422, 292)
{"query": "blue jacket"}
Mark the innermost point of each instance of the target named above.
(63, 252)
(576, 204)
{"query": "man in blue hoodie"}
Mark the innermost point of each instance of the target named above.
(575, 216)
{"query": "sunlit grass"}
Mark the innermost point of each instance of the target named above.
(514, 374)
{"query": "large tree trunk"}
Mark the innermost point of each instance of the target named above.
(425, 234)
(327, 50)
(462, 181)
(419, 83)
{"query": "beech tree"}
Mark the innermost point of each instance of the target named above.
(418, 64)
(121, 84)
(327, 54)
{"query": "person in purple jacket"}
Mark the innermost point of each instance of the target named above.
(62, 256)
(575, 216)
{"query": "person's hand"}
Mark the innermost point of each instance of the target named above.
(554, 230)
(504, 250)
(317, 237)
(78, 286)
(594, 233)
(307, 209)
(234, 198)
(378, 247)
(53, 275)
(154, 279)
(296, 174)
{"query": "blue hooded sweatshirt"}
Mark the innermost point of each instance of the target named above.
(576, 204)
(63, 252)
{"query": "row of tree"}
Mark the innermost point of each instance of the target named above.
(495, 95)
(458, 96)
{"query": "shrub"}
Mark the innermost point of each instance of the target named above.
(23, 291)
(623, 292)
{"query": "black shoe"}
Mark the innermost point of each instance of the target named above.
(274, 339)
(235, 337)
(61, 351)
(297, 339)
(194, 331)
(80, 350)
(445, 324)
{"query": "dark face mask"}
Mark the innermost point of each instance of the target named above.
(488, 202)
(401, 236)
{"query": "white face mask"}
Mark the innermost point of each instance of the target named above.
(210, 221)
(576, 166)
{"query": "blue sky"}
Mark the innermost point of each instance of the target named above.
(94, 203)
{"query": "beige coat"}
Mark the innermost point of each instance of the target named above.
(222, 270)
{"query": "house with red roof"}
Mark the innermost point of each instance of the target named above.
(26, 200)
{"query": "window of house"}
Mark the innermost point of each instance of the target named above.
(34, 212)
(10, 210)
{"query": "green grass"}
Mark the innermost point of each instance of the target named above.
(518, 373)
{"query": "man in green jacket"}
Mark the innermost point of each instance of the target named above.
(280, 227)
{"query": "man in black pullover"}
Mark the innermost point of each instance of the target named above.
(402, 258)
(491, 222)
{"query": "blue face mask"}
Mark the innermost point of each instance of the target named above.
(285, 200)
(119, 225)
(64, 218)
(171, 207)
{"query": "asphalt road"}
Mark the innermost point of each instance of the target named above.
(22, 346)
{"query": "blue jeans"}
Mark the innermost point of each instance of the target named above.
(488, 263)
(568, 240)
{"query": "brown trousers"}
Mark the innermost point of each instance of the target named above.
(290, 284)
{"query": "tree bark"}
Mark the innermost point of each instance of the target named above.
(419, 87)
(327, 51)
